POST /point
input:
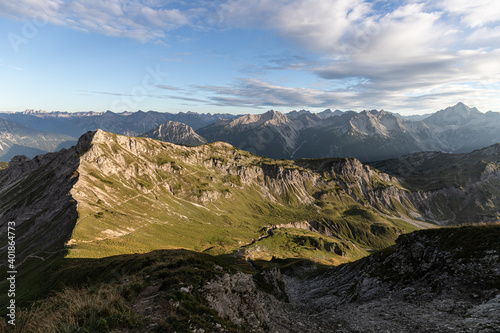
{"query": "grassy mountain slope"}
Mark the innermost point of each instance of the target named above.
(113, 194)
(116, 195)
(137, 195)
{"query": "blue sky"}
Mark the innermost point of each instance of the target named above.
(248, 56)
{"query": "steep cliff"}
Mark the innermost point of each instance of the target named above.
(35, 194)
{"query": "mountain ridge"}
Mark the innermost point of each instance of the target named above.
(152, 186)
(368, 135)
(154, 234)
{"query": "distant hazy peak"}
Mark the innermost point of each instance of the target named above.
(461, 109)
(453, 115)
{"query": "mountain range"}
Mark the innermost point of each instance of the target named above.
(367, 135)
(62, 129)
(221, 239)
(113, 190)
(17, 139)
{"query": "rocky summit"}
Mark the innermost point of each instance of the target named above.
(175, 132)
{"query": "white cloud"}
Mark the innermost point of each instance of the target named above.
(407, 34)
(475, 13)
(484, 36)
(319, 25)
(123, 18)
(31, 8)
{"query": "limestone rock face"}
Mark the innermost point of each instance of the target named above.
(175, 132)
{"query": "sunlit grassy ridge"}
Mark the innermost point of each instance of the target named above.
(138, 195)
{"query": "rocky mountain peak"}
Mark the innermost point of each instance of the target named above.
(295, 114)
(33, 112)
(453, 115)
(460, 109)
(375, 122)
(175, 132)
(275, 117)
(271, 117)
(329, 113)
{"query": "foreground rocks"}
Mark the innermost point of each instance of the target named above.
(432, 281)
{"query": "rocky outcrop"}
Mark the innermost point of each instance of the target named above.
(432, 281)
(175, 132)
(257, 307)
